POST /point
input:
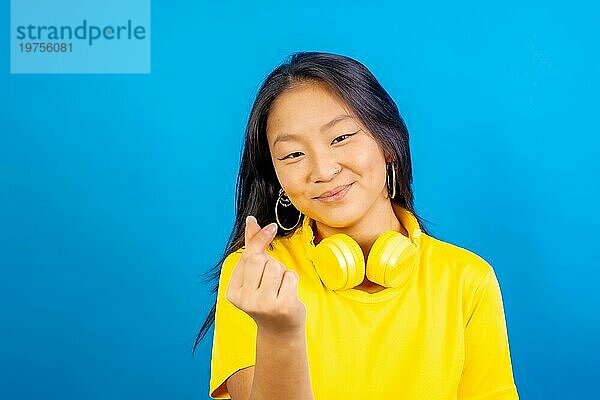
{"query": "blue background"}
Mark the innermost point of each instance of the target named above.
(117, 191)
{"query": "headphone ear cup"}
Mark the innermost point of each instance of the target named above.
(339, 262)
(391, 260)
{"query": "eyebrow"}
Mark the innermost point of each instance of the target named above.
(289, 136)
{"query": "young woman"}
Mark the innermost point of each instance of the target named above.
(348, 296)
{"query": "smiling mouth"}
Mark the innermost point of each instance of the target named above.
(336, 196)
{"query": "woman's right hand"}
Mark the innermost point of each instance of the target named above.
(263, 288)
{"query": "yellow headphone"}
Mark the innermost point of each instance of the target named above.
(340, 263)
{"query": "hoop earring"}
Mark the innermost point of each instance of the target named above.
(284, 201)
(393, 186)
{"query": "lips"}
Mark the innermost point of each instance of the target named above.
(333, 192)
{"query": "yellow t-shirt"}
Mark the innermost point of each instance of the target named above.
(440, 336)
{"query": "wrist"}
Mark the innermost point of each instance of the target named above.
(287, 336)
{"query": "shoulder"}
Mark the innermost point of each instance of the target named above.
(459, 262)
(458, 271)
(233, 257)
(228, 265)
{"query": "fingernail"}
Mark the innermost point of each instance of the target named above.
(247, 219)
(272, 228)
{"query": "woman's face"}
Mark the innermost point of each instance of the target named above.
(309, 144)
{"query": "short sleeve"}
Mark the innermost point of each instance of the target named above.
(234, 341)
(487, 370)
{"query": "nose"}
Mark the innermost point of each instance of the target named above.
(324, 168)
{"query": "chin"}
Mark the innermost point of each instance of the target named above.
(340, 217)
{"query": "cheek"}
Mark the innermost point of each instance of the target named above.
(290, 181)
(369, 161)
(295, 188)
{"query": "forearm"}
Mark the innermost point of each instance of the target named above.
(281, 370)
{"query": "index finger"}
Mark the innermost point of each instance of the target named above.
(261, 239)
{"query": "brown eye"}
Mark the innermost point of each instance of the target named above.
(347, 134)
(288, 156)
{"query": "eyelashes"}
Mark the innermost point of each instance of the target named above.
(346, 134)
(334, 141)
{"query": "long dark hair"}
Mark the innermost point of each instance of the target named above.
(257, 187)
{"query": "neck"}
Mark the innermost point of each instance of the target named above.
(378, 219)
